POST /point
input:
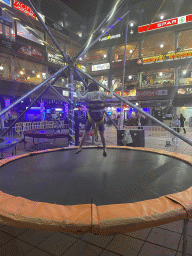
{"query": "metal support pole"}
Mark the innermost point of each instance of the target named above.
(89, 44)
(41, 94)
(185, 233)
(48, 32)
(111, 119)
(124, 63)
(16, 120)
(138, 109)
(57, 74)
(53, 89)
(71, 109)
(79, 76)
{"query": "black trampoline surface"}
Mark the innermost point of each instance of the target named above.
(124, 176)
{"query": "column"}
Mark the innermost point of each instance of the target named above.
(176, 70)
(83, 31)
(140, 14)
(110, 79)
(109, 59)
(12, 69)
(64, 19)
(71, 109)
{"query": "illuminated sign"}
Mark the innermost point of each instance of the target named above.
(24, 8)
(101, 67)
(66, 93)
(55, 59)
(165, 23)
(168, 57)
(7, 2)
(110, 37)
(130, 93)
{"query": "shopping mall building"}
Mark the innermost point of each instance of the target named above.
(158, 70)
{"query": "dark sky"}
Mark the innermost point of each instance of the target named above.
(89, 7)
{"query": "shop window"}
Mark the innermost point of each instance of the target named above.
(6, 31)
(132, 52)
(185, 40)
(5, 68)
(158, 44)
(96, 56)
(159, 78)
(30, 33)
(29, 72)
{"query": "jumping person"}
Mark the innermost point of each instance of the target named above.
(96, 106)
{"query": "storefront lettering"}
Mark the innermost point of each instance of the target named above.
(110, 37)
(167, 57)
(152, 93)
(23, 8)
(165, 23)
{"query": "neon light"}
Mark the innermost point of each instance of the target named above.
(165, 23)
(24, 8)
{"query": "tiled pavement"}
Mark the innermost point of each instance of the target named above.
(165, 240)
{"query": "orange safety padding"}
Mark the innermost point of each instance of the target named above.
(21, 212)
(184, 198)
(124, 218)
(101, 220)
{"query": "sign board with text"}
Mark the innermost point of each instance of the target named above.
(24, 8)
(101, 66)
(168, 57)
(7, 2)
(165, 23)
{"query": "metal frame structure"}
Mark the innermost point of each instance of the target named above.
(107, 25)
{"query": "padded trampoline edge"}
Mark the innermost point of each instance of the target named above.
(103, 220)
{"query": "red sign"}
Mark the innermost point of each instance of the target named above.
(23, 8)
(165, 23)
(140, 61)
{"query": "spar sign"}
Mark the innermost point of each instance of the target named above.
(165, 23)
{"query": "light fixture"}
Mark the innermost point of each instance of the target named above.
(105, 56)
(33, 71)
(1, 67)
(131, 51)
(161, 45)
(184, 72)
(28, 77)
(38, 76)
(160, 74)
(162, 17)
(21, 72)
(136, 103)
(103, 30)
(131, 32)
(80, 34)
(131, 24)
(130, 77)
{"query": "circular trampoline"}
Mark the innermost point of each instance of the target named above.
(59, 190)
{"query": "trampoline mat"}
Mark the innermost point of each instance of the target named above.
(124, 176)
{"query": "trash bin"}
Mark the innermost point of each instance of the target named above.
(190, 122)
(138, 137)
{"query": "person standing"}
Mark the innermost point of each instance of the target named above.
(182, 121)
(175, 124)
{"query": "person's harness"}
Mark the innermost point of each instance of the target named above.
(95, 105)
